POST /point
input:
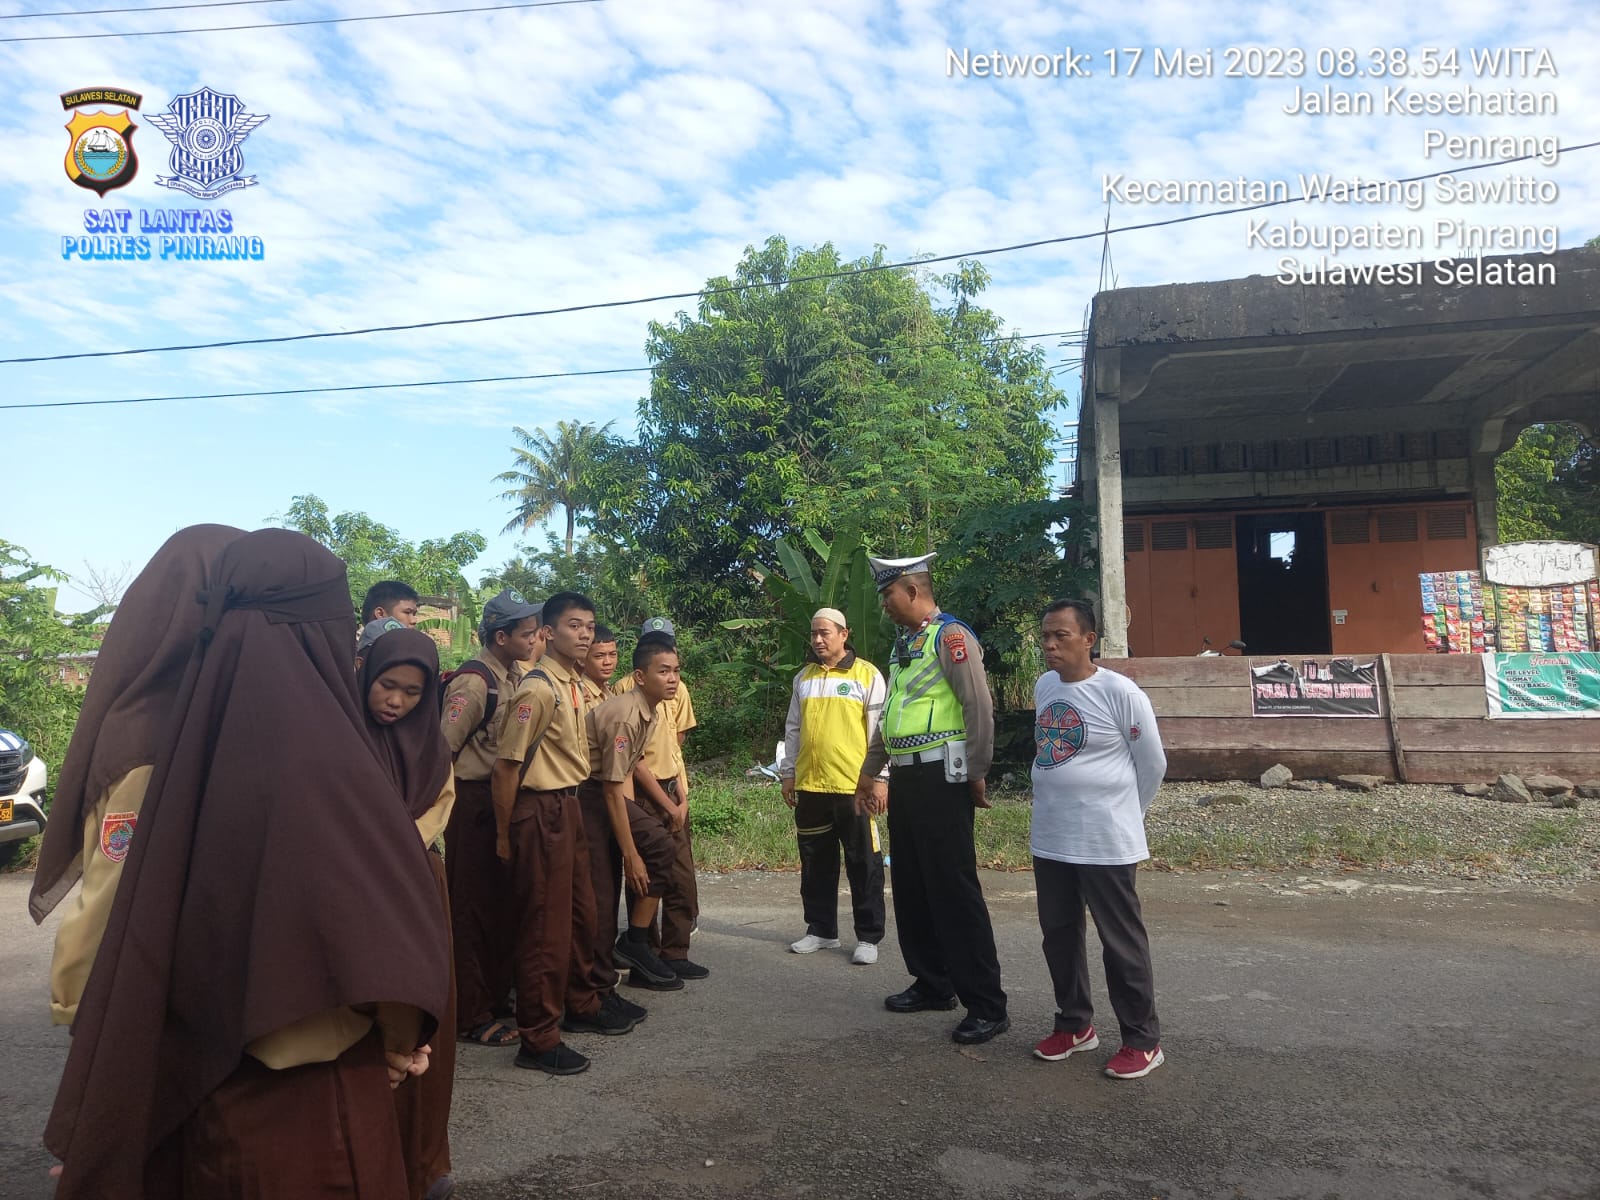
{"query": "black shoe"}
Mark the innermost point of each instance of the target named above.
(684, 969)
(627, 1008)
(560, 1059)
(914, 999)
(643, 960)
(602, 1020)
(974, 1030)
(638, 980)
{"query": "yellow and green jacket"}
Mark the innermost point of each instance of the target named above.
(832, 714)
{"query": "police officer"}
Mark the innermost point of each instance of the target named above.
(938, 738)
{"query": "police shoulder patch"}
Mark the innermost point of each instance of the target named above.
(621, 743)
(956, 643)
(116, 835)
(524, 713)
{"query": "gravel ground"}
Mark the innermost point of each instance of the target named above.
(1422, 829)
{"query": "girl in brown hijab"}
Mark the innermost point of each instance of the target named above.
(273, 933)
(101, 787)
(399, 684)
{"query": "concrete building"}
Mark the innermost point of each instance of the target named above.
(1277, 463)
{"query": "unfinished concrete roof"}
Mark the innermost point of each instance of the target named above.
(1255, 357)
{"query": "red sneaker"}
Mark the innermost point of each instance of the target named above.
(1129, 1063)
(1063, 1042)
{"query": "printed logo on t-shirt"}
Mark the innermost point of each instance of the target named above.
(1058, 733)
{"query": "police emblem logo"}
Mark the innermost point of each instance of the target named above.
(621, 744)
(957, 644)
(100, 154)
(116, 835)
(524, 713)
(206, 128)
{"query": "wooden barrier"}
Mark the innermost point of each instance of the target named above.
(1440, 730)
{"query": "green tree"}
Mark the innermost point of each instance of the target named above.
(373, 551)
(817, 401)
(1549, 486)
(33, 637)
(1012, 561)
(561, 472)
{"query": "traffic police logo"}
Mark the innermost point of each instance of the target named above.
(100, 155)
(206, 128)
(1059, 733)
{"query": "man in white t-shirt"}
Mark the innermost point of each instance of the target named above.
(1097, 765)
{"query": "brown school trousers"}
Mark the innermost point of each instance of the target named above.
(480, 908)
(680, 903)
(423, 1103)
(323, 1129)
(654, 845)
(552, 900)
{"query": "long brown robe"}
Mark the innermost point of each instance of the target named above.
(276, 875)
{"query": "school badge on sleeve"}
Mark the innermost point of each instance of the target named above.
(453, 710)
(100, 154)
(116, 835)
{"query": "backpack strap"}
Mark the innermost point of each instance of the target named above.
(474, 666)
(527, 759)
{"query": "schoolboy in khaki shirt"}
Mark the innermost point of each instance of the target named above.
(543, 755)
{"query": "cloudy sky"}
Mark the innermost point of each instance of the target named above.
(473, 164)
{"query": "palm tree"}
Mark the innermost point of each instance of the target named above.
(553, 472)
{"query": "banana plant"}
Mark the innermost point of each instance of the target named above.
(846, 584)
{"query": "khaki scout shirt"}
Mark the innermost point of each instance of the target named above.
(663, 756)
(619, 730)
(465, 698)
(549, 700)
(594, 694)
(108, 833)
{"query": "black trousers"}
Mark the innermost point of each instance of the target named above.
(945, 934)
(824, 822)
(1064, 889)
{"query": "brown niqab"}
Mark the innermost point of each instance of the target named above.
(275, 875)
(413, 748)
(136, 676)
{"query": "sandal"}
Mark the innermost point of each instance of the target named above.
(492, 1033)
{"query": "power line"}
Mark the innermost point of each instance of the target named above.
(89, 12)
(745, 287)
(431, 12)
(428, 383)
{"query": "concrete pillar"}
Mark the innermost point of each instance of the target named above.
(1485, 498)
(1107, 468)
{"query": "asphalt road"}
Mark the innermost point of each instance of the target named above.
(1323, 1041)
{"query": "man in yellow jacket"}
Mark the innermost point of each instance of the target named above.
(836, 704)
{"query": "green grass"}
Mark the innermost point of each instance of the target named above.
(1548, 833)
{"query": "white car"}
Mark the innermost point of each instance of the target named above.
(22, 780)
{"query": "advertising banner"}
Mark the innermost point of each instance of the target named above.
(1340, 687)
(1543, 685)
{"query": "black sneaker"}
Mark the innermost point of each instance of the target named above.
(560, 1059)
(634, 1012)
(635, 979)
(684, 969)
(643, 960)
(602, 1020)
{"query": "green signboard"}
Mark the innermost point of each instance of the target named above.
(1562, 684)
